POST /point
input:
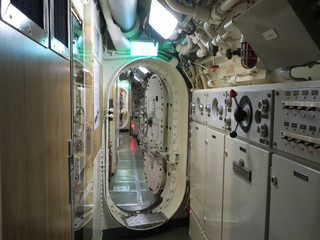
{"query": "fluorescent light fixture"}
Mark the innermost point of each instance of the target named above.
(143, 48)
(162, 20)
(143, 69)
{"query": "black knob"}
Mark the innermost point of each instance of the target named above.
(239, 114)
(233, 134)
(229, 53)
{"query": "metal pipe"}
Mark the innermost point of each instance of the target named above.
(198, 12)
(124, 13)
(185, 49)
(119, 40)
(227, 5)
(210, 30)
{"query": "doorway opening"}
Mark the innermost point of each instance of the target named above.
(140, 121)
(147, 144)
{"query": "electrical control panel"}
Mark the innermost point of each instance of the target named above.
(215, 108)
(198, 106)
(249, 115)
(297, 127)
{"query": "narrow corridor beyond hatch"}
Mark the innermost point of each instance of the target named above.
(128, 187)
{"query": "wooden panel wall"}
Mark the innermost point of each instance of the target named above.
(35, 125)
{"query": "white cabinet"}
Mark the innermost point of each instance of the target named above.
(295, 201)
(197, 161)
(213, 184)
(195, 231)
(245, 191)
(206, 172)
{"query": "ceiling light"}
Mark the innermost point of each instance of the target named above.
(162, 20)
(143, 69)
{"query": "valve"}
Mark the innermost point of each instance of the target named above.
(214, 66)
(230, 53)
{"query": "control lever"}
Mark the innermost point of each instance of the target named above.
(239, 114)
(233, 133)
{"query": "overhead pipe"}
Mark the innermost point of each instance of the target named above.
(124, 13)
(185, 49)
(216, 14)
(209, 28)
(198, 12)
(220, 10)
(202, 51)
(227, 5)
(119, 40)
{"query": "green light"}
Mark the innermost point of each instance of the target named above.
(143, 48)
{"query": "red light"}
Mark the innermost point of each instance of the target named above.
(132, 146)
(249, 58)
(132, 127)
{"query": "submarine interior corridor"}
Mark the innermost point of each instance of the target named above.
(127, 186)
(159, 119)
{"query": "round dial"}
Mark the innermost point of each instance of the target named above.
(262, 130)
(263, 105)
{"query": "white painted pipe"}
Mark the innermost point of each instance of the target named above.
(198, 12)
(219, 41)
(202, 51)
(196, 39)
(226, 5)
(203, 79)
(185, 49)
(219, 11)
(209, 30)
(119, 40)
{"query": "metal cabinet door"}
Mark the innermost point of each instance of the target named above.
(295, 201)
(245, 191)
(213, 185)
(197, 161)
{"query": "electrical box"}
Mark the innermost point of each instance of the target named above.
(282, 33)
(295, 198)
(246, 180)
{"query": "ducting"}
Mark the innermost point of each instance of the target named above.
(124, 13)
(204, 13)
(198, 12)
(119, 40)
